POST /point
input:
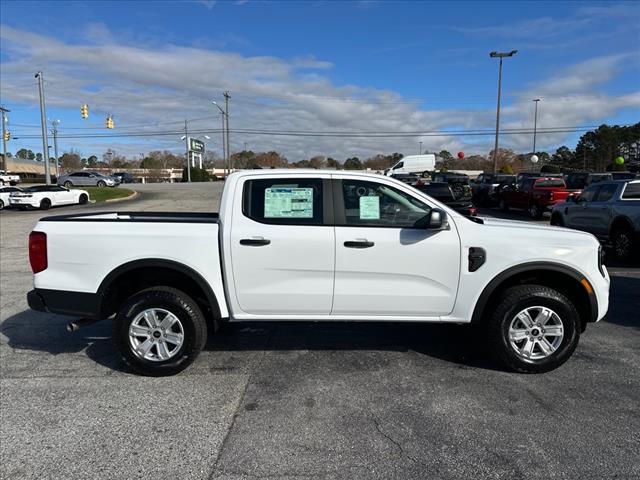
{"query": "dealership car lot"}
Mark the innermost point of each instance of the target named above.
(308, 400)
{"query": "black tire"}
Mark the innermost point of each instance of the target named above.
(1, 204)
(513, 301)
(45, 204)
(503, 205)
(535, 212)
(68, 184)
(101, 184)
(83, 199)
(556, 219)
(181, 306)
(622, 241)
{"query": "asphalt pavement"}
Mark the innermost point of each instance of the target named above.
(308, 400)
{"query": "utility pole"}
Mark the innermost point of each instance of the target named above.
(535, 124)
(45, 139)
(3, 112)
(54, 131)
(226, 114)
(420, 151)
(495, 148)
(186, 144)
(224, 139)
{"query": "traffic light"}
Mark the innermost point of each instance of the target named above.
(84, 110)
(6, 135)
(109, 122)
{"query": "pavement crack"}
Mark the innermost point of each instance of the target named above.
(398, 445)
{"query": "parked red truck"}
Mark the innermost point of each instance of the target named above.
(536, 195)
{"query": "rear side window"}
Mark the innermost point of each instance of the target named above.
(632, 192)
(284, 201)
(606, 192)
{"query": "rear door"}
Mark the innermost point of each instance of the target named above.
(384, 265)
(599, 210)
(283, 245)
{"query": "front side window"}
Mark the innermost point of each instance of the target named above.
(399, 165)
(378, 205)
(285, 201)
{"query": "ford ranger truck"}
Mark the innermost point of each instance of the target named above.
(318, 246)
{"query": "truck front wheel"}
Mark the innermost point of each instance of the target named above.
(159, 331)
(534, 329)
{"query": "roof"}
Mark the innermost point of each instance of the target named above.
(298, 171)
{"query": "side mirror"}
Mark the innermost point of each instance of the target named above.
(436, 219)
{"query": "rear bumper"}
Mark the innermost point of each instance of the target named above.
(79, 304)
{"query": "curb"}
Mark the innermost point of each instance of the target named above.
(130, 197)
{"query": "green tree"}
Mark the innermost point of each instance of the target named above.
(564, 157)
(92, 161)
(333, 163)
(550, 168)
(353, 163)
(24, 153)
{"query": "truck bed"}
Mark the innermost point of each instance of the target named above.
(149, 217)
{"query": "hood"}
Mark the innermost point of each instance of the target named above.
(521, 225)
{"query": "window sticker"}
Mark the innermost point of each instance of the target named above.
(370, 208)
(287, 202)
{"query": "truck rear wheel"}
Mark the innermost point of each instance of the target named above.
(159, 331)
(534, 329)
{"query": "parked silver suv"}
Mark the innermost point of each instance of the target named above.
(87, 179)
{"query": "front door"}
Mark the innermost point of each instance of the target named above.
(283, 246)
(384, 265)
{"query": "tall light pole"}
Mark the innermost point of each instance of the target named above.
(499, 55)
(45, 139)
(420, 150)
(5, 120)
(54, 132)
(226, 116)
(224, 148)
(535, 124)
(186, 145)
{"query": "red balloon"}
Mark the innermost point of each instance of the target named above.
(460, 155)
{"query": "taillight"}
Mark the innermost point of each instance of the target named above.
(38, 251)
(550, 195)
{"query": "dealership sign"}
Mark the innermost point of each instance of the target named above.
(196, 146)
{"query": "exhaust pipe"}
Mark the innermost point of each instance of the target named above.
(78, 324)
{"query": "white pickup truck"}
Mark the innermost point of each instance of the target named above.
(8, 179)
(318, 246)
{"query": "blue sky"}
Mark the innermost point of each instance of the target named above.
(319, 66)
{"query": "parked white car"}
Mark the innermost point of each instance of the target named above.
(318, 246)
(417, 164)
(4, 195)
(47, 196)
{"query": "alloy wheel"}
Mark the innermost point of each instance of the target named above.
(156, 334)
(536, 333)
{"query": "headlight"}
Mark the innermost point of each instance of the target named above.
(601, 260)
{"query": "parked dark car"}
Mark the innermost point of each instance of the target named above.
(457, 198)
(609, 210)
(124, 177)
(580, 180)
(624, 176)
(486, 188)
(409, 178)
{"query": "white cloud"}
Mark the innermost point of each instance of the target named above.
(143, 85)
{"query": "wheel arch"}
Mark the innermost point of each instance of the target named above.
(621, 221)
(560, 277)
(137, 275)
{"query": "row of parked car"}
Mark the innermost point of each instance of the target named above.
(604, 204)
